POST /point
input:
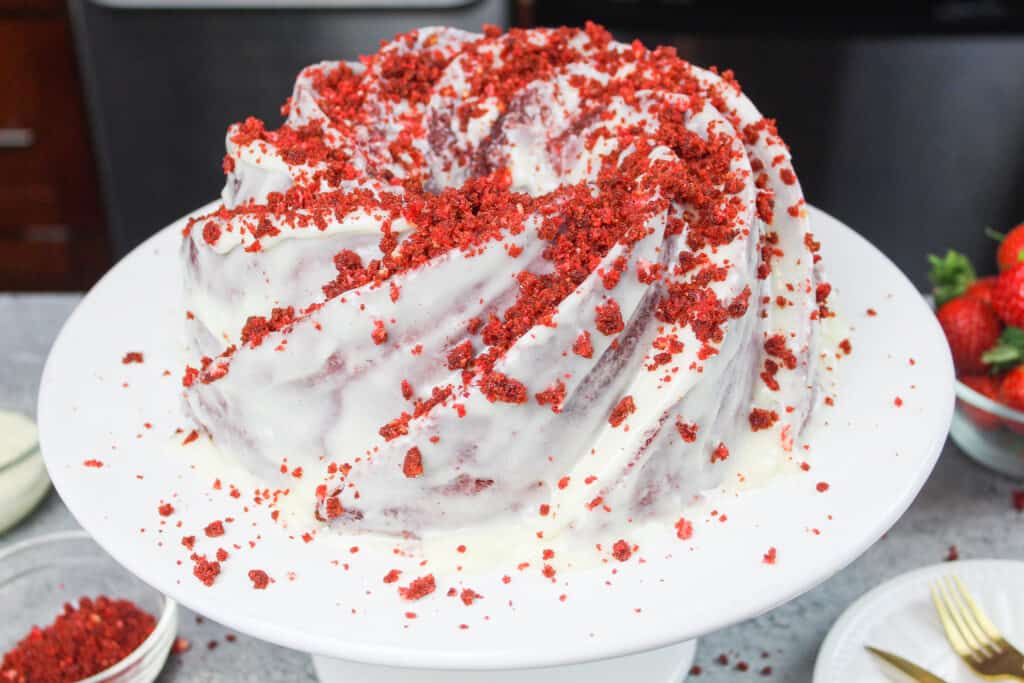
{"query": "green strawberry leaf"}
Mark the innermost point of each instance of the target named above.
(1008, 351)
(950, 276)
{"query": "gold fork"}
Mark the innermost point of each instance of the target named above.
(972, 635)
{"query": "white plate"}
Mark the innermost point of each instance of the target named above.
(898, 617)
(874, 455)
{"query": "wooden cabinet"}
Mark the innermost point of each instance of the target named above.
(52, 234)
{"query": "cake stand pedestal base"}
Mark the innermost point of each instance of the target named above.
(667, 665)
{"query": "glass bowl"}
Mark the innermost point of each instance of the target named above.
(989, 432)
(38, 576)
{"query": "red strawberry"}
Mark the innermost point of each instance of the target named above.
(987, 386)
(1008, 296)
(1011, 249)
(1011, 394)
(1011, 389)
(982, 289)
(971, 329)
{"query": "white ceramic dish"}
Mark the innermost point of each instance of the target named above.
(898, 616)
(874, 454)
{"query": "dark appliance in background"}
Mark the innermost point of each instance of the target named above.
(907, 124)
(164, 78)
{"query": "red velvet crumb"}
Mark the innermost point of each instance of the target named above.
(762, 419)
(622, 410)
(260, 579)
(413, 465)
(419, 588)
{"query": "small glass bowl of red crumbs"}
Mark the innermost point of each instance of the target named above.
(989, 432)
(71, 613)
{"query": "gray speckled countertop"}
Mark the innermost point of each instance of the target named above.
(962, 505)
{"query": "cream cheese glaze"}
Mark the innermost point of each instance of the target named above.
(516, 276)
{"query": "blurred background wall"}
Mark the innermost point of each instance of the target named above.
(907, 123)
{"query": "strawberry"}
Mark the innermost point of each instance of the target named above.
(1008, 296)
(1011, 247)
(950, 275)
(1011, 389)
(982, 289)
(987, 386)
(1011, 394)
(971, 329)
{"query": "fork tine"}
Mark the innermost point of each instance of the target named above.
(956, 640)
(979, 616)
(974, 634)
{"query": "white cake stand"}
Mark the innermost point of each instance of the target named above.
(874, 454)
